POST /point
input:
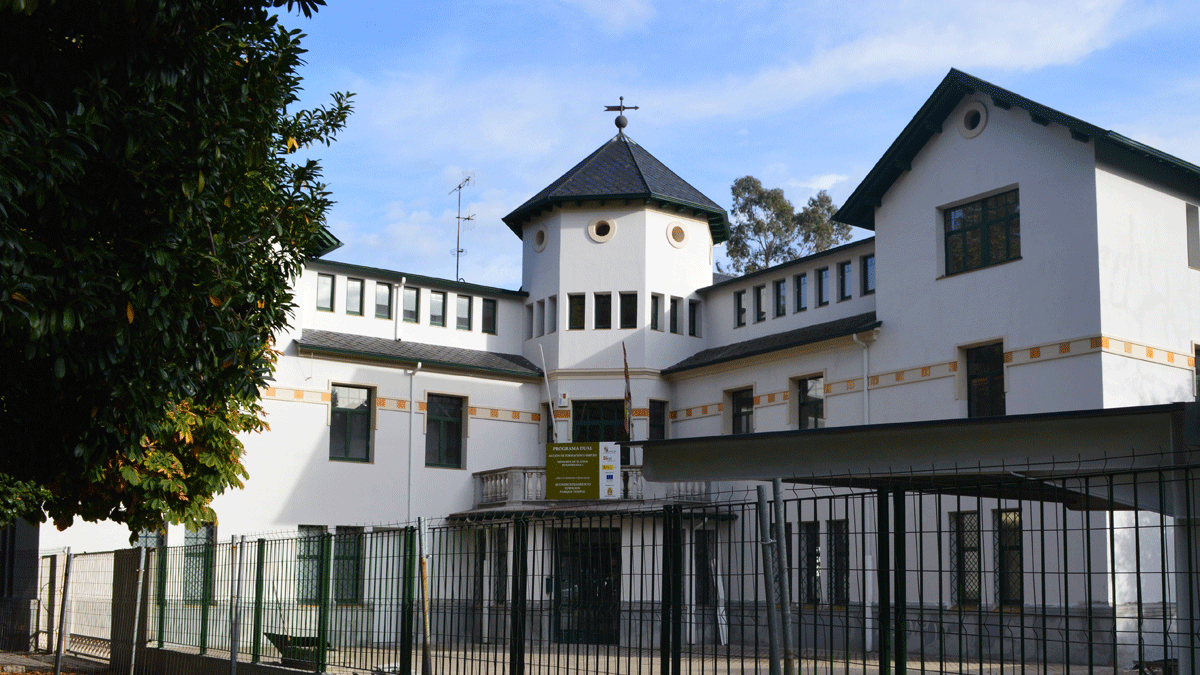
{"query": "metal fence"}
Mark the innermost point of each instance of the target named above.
(976, 574)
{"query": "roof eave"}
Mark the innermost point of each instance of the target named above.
(308, 349)
(718, 221)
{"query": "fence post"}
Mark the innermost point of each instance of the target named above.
(664, 642)
(209, 555)
(63, 623)
(423, 561)
(160, 593)
(137, 611)
(235, 606)
(677, 592)
(409, 607)
(516, 654)
(260, 565)
(770, 576)
(900, 564)
(785, 592)
(884, 581)
(326, 553)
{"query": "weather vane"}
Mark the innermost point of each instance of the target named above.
(621, 122)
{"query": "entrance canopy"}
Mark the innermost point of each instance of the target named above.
(937, 453)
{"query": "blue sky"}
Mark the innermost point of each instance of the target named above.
(803, 95)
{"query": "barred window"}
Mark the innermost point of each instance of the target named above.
(199, 560)
(809, 590)
(964, 558)
(308, 564)
(348, 565)
(1010, 589)
(838, 533)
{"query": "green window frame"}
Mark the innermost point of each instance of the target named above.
(412, 305)
(308, 563)
(383, 300)
(741, 410)
(598, 420)
(809, 592)
(657, 429)
(354, 296)
(350, 424)
(867, 265)
(983, 233)
(325, 288)
(1010, 574)
(464, 318)
(629, 308)
(810, 402)
(489, 316)
(576, 311)
(199, 565)
(822, 287)
(780, 297)
(801, 292)
(674, 316)
(348, 565)
(965, 559)
(739, 309)
(837, 534)
(843, 272)
(437, 308)
(694, 318)
(655, 311)
(760, 303)
(444, 431)
(602, 306)
(985, 380)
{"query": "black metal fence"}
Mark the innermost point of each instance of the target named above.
(967, 574)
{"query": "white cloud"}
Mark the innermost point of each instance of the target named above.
(814, 184)
(618, 16)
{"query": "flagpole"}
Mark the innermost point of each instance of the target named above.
(549, 398)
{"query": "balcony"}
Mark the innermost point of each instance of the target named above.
(517, 485)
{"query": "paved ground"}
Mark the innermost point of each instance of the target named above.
(44, 663)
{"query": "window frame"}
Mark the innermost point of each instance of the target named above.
(987, 372)
(673, 322)
(628, 309)
(801, 281)
(780, 291)
(1010, 570)
(576, 302)
(441, 455)
(844, 276)
(416, 304)
(656, 420)
(321, 276)
(693, 318)
(199, 570)
(489, 327)
(438, 319)
(360, 413)
(837, 541)
(760, 300)
(1192, 217)
(353, 282)
(388, 307)
(739, 308)
(806, 403)
(808, 590)
(1010, 220)
(347, 568)
(966, 559)
(458, 315)
(822, 275)
(741, 411)
(308, 563)
(867, 273)
(656, 311)
(602, 310)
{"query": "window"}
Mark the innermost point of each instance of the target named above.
(982, 233)
(308, 564)
(199, 558)
(539, 318)
(867, 265)
(489, 316)
(348, 565)
(838, 533)
(704, 547)
(1009, 554)
(843, 272)
(801, 292)
(350, 424)
(463, 317)
(412, 304)
(694, 318)
(1196, 364)
(444, 431)
(602, 421)
(354, 296)
(1192, 213)
(437, 308)
(658, 420)
(985, 381)
(529, 321)
(675, 315)
(151, 539)
(780, 297)
(964, 558)
(325, 292)
(655, 311)
(499, 566)
(809, 589)
(810, 402)
(629, 310)
(602, 311)
(822, 286)
(552, 314)
(739, 309)
(760, 299)
(741, 406)
(383, 300)
(575, 311)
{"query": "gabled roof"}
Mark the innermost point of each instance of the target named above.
(859, 209)
(850, 325)
(622, 170)
(327, 242)
(402, 351)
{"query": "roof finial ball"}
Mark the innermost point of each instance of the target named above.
(621, 121)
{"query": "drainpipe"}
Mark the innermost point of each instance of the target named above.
(866, 353)
(412, 422)
(399, 310)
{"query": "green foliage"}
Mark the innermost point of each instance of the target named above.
(767, 230)
(150, 222)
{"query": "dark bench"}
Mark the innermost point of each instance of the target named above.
(298, 651)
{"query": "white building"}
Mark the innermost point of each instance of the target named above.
(1024, 261)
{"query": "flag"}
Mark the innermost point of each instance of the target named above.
(628, 397)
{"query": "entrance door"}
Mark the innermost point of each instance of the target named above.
(587, 598)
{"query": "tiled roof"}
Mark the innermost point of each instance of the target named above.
(772, 343)
(404, 351)
(622, 169)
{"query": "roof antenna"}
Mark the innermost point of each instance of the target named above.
(459, 251)
(621, 121)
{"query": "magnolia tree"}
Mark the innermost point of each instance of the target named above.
(151, 218)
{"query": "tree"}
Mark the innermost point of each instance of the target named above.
(151, 220)
(767, 230)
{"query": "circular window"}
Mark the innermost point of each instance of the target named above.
(601, 230)
(539, 238)
(677, 235)
(973, 120)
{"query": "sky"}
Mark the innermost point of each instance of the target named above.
(804, 96)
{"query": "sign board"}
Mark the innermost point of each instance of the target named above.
(583, 471)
